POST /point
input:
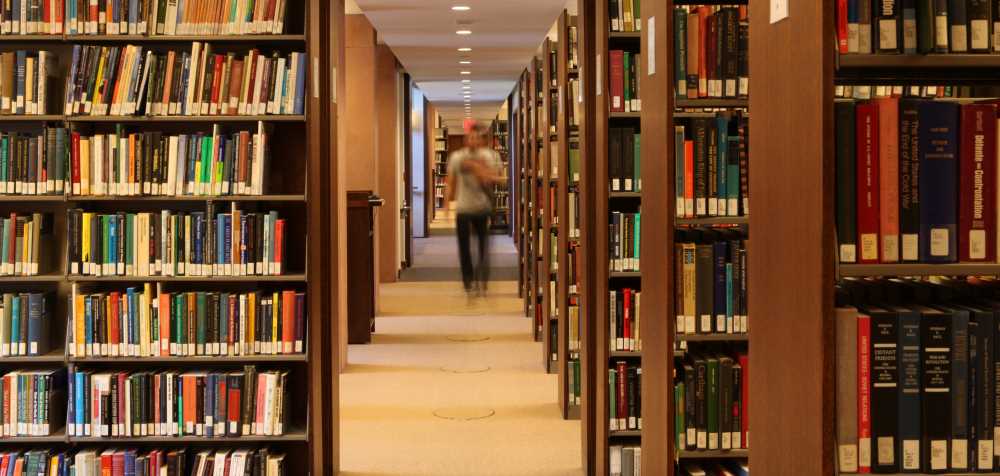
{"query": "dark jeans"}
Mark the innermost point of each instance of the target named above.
(464, 223)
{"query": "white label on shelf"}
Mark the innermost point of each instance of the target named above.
(939, 242)
(886, 450)
(939, 454)
(315, 81)
(598, 76)
(977, 244)
(959, 454)
(779, 10)
(910, 247)
(911, 455)
(651, 46)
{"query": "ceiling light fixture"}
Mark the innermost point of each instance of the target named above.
(463, 32)
(465, 49)
(466, 73)
(466, 81)
(461, 8)
(465, 62)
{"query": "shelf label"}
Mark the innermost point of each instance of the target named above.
(598, 76)
(779, 10)
(315, 81)
(651, 46)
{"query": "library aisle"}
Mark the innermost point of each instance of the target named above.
(463, 364)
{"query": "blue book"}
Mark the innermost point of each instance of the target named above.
(79, 402)
(16, 17)
(300, 84)
(938, 143)
(908, 390)
(679, 170)
(21, 63)
(733, 175)
(719, 249)
(133, 21)
(130, 455)
(721, 168)
(113, 243)
(88, 321)
(224, 322)
(729, 297)
(959, 388)
(197, 220)
(185, 70)
(209, 407)
(15, 325)
(220, 239)
(227, 242)
(37, 323)
(71, 407)
(244, 231)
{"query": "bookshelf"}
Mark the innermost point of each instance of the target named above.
(549, 176)
(536, 257)
(299, 144)
(525, 184)
(501, 220)
(440, 166)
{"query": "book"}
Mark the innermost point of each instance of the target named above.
(713, 51)
(711, 164)
(30, 405)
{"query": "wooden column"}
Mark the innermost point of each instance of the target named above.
(791, 252)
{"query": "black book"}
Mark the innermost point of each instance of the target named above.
(628, 160)
(736, 425)
(980, 17)
(704, 281)
(958, 26)
(941, 26)
(615, 158)
(908, 350)
(889, 19)
(726, 401)
(701, 403)
(847, 228)
(112, 414)
(936, 352)
(909, 180)
(960, 418)
(884, 391)
(631, 395)
(690, 424)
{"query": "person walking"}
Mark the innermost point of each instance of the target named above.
(472, 173)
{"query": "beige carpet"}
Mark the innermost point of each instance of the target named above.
(393, 387)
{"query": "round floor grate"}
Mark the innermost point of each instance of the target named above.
(464, 413)
(473, 369)
(468, 338)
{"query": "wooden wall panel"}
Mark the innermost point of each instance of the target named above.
(387, 103)
(338, 209)
(791, 246)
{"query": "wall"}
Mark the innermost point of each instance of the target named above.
(387, 106)
(418, 150)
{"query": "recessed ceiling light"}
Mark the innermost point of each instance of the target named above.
(466, 81)
(465, 49)
(461, 8)
(466, 87)
(464, 73)
(465, 62)
(463, 32)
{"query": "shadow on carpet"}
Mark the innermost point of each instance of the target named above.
(453, 274)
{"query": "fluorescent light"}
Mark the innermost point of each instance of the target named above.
(463, 32)
(465, 49)
(465, 62)
(466, 72)
(466, 81)
(461, 8)
(466, 87)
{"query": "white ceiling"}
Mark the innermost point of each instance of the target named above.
(505, 35)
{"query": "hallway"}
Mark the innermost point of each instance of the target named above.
(474, 359)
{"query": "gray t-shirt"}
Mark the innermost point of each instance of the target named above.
(470, 195)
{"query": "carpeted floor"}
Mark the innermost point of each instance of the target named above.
(435, 258)
(476, 366)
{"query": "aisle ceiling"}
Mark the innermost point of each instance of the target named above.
(422, 33)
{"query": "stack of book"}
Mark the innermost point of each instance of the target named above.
(624, 331)
(625, 15)
(711, 166)
(132, 80)
(26, 81)
(33, 164)
(916, 181)
(32, 17)
(24, 251)
(930, 91)
(711, 402)
(623, 241)
(148, 462)
(623, 81)
(25, 322)
(152, 163)
(917, 27)
(137, 322)
(710, 282)
(143, 17)
(624, 154)
(625, 460)
(28, 404)
(711, 51)
(624, 397)
(194, 403)
(176, 243)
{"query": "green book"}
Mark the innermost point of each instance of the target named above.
(612, 406)
(636, 232)
(637, 162)
(626, 78)
(712, 398)
(201, 305)
(129, 245)
(679, 415)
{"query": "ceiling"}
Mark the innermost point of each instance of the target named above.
(505, 35)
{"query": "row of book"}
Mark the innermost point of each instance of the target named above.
(624, 15)
(711, 402)
(176, 243)
(711, 51)
(710, 282)
(625, 460)
(921, 26)
(26, 402)
(624, 231)
(26, 80)
(58, 162)
(623, 80)
(711, 166)
(727, 467)
(916, 370)
(21, 243)
(957, 91)
(142, 17)
(624, 159)
(573, 376)
(25, 323)
(573, 215)
(144, 462)
(139, 322)
(624, 396)
(624, 332)
(916, 181)
(132, 80)
(197, 403)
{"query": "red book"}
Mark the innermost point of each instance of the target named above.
(19, 465)
(217, 79)
(61, 6)
(868, 182)
(114, 330)
(234, 406)
(621, 400)
(221, 398)
(287, 321)
(6, 458)
(744, 360)
(46, 15)
(977, 183)
(689, 178)
(260, 403)
(864, 394)
(107, 463)
(75, 161)
(626, 317)
(157, 381)
(704, 17)
(616, 80)
(888, 164)
(165, 324)
(279, 245)
(118, 463)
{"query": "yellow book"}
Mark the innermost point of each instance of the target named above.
(85, 246)
(99, 78)
(84, 166)
(275, 308)
(251, 347)
(79, 326)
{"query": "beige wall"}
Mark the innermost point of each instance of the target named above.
(387, 104)
(359, 124)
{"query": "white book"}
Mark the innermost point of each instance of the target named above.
(293, 73)
(274, 102)
(192, 76)
(258, 82)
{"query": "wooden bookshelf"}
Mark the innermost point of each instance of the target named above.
(306, 150)
(535, 214)
(550, 316)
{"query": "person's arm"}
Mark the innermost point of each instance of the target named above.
(483, 171)
(449, 183)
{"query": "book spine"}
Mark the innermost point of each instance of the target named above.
(909, 181)
(889, 26)
(867, 183)
(936, 342)
(864, 394)
(908, 327)
(977, 183)
(888, 164)
(938, 181)
(884, 401)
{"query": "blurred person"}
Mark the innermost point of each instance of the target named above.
(472, 173)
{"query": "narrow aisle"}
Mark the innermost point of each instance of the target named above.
(429, 355)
